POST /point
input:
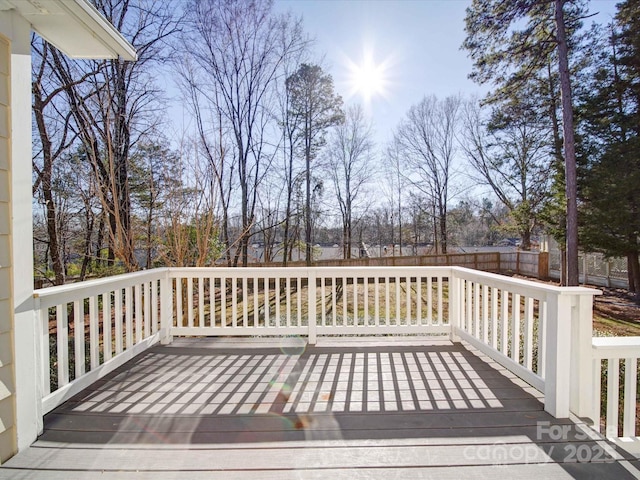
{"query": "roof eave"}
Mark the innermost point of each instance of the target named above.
(76, 28)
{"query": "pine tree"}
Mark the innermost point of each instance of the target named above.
(513, 43)
(316, 107)
(610, 192)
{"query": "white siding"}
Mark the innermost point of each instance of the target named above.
(7, 386)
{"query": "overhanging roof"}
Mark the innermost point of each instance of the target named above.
(73, 26)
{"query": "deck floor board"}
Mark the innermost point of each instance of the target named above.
(245, 409)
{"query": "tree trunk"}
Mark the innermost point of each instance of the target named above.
(149, 235)
(435, 229)
(345, 252)
(393, 237)
(47, 193)
(633, 272)
(125, 243)
(307, 236)
(98, 248)
(442, 210)
(443, 235)
(86, 259)
(557, 151)
(287, 220)
(244, 235)
(399, 223)
(563, 265)
(52, 230)
(111, 256)
(569, 148)
(526, 239)
(347, 231)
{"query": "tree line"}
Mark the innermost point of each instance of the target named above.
(271, 154)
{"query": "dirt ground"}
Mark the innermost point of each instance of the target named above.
(616, 313)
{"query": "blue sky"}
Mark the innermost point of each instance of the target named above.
(417, 40)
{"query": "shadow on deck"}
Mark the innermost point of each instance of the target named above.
(231, 409)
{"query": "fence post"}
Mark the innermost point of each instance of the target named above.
(311, 311)
(543, 265)
(166, 308)
(585, 268)
(454, 305)
(558, 351)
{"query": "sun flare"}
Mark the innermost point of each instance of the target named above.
(368, 78)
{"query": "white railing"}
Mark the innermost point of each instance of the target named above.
(537, 331)
(97, 326)
(619, 354)
(540, 332)
(310, 301)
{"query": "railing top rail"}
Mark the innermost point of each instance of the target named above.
(508, 283)
(64, 293)
(323, 270)
(51, 296)
(616, 347)
(605, 342)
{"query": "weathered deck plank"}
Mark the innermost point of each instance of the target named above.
(522, 471)
(308, 457)
(211, 409)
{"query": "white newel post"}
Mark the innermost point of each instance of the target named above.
(558, 350)
(166, 308)
(311, 289)
(569, 366)
(454, 305)
(581, 354)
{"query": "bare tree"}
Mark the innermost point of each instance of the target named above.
(215, 148)
(427, 138)
(396, 190)
(53, 136)
(190, 229)
(239, 49)
(350, 164)
(290, 142)
(291, 169)
(510, 154)
(114, 106)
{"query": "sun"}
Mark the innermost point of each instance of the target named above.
(368, 78)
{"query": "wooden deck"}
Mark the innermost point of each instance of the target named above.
(355, 408)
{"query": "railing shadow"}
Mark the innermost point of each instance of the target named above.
(440, 395)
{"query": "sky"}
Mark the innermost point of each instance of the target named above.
(412, 46)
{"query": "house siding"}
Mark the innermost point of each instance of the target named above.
(7, 384)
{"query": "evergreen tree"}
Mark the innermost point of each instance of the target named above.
(513, 43)
(610, 192)
(316, 107)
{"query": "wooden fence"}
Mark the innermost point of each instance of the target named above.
(530, 264)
